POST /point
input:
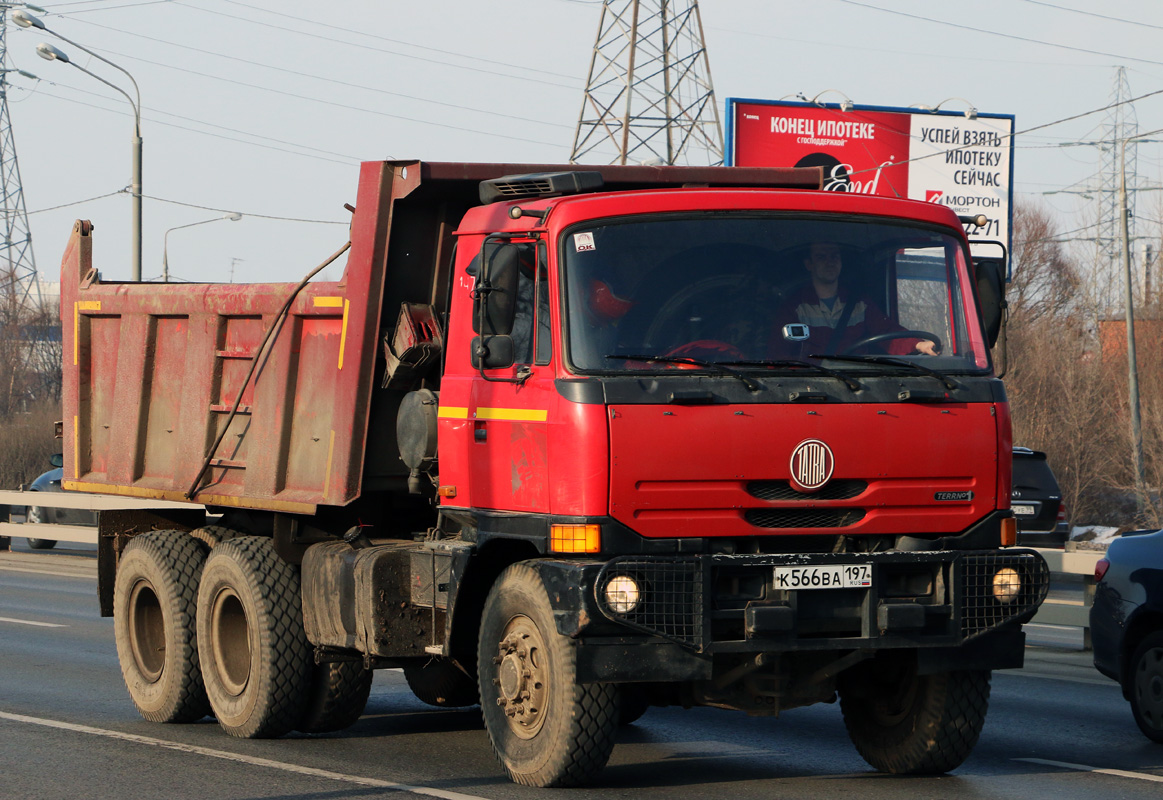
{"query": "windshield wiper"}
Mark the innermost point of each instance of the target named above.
(895, 362)
(849, 381)
(751, 385)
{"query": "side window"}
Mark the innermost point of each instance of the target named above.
(525, 322)
(544, 339)
(923, 290)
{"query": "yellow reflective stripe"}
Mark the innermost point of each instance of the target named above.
(452, 412)
(78, 307)
(513, 414)
(328, 302)
(343, 333)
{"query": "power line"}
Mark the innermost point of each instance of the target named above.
(492, 112)
(1028, 40)
(154, 121)
(376, 49)
(244, 213)
(77, 202)
(475, 59)
(1135, 22)
(400, 117)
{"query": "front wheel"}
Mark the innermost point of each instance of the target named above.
(545, 728)
(1146, 686)
(905, 723)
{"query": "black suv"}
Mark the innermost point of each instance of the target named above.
(1037, 501)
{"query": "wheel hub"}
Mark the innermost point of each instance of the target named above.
(522, 677)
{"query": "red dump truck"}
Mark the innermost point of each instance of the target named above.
(567, 442)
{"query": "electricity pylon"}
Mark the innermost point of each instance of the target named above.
(649, 98)
(18, 277)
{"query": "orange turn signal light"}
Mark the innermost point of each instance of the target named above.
(575, 538)
(1009, 532)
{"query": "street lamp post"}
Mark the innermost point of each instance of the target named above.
(233, 217)
(1129, 311)
(50, 53)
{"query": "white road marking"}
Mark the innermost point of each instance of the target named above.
(1025, 673)
(30, 622)
(48, 572)
(1118, 773)
(253, 761)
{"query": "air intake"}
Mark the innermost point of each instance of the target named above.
(543, 184)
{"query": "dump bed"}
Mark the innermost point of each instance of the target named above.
(157, 398)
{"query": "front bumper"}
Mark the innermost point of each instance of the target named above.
(714, 604)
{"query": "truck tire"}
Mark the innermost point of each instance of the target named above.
(155, 597)
(545, 728)
(440, 683)
(337, 696)
(1146, 686)
(905, 723)
(213, 535)
(256, 660)
(34, 515)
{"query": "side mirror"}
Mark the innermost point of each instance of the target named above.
(990, 276)
(494, 352)
(494, 304)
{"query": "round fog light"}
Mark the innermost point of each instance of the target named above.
(622, 594)
(1006, 585)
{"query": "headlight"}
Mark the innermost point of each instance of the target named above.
(622, 594)
(1006, 585)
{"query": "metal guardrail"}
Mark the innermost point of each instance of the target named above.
(80, 534)
(1065, 612)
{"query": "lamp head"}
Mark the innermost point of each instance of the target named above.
(50, 53)
(26, 20)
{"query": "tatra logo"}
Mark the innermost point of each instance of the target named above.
(811, 465)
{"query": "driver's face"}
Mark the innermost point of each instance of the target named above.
(823, 263)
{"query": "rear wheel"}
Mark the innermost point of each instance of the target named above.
(255, 656)
(213, 535)
(905, 723)
(545, 728)
(440, 683)
(336, 699)
(1146, 686)
(154, 600)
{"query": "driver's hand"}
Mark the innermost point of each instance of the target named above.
(927, 347)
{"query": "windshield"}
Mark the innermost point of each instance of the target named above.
(735, 289)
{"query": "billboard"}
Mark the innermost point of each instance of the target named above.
(943, 157)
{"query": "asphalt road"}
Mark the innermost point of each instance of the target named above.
(1057, 729)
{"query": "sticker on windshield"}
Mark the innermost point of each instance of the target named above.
(583, 242)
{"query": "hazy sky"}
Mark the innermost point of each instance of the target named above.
(266, 108)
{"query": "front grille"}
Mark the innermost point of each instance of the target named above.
(980, 610)
(671, 602)
(842, 489)
(804, 517)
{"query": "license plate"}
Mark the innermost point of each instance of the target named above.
(843, 576)
(1023, 510)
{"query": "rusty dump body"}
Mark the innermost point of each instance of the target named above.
(153, 372)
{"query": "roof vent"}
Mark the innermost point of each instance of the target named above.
(543, 184)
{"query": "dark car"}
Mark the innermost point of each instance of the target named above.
(1037, 501)
(33, 515)
(1126, 624)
